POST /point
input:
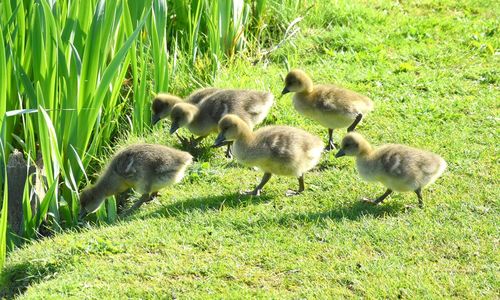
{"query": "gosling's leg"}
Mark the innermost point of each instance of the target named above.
(301, 187)
(419, 196)
(258, 189)
(379, 199)
(331, 145)
(144, 198)
(229, 152)
(355, 123)
(301, 184)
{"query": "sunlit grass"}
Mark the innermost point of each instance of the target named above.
(433, 86)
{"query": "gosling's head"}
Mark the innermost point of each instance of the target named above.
(181, 115)
(353, 144)
(88, 202)
(162, 106)
(297, 81)
(230, 129)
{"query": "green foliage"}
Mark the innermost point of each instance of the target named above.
(65, 94)
(74, 74)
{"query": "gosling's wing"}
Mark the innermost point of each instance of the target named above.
(331, 98)
(257, 102)
(278, 142)
(126, 165)
(409, 163)
(394, 160)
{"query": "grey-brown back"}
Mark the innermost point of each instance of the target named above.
(282, 141)
(401, 160)
(148, 160)
(249, 105)
(335, 98)
(197, 96)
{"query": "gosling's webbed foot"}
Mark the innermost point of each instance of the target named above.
(190, 142)
(379, 199)
(151, 197)
(184, 141)
(290, 193)
(331, 146)
(370, 201)
(258, 188)
(409, 207)
(255, 192)
(193, 141)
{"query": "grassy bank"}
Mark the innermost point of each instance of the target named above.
(432, 70)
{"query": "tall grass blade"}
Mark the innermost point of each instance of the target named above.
(3, 218)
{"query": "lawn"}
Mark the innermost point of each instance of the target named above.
(432, 69)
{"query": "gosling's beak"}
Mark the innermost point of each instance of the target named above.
(285, 91)
(174, 128)
(220, 141)
(340, 153)
(82, 214)
(154, 119)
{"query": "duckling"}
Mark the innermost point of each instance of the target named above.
(163, 103)
(146, 168)
(280, 150)
(398, 167)
(330, 105)
(251, 106)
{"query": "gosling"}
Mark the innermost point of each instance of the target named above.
(279, 150)
(146, 168)
(251, 106)
(398, 167)
(163, 103)
(331, 106)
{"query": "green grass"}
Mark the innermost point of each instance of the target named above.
(432, 70)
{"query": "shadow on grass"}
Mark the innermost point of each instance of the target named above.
(353, 211)
(207, 203)
(16, 279)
